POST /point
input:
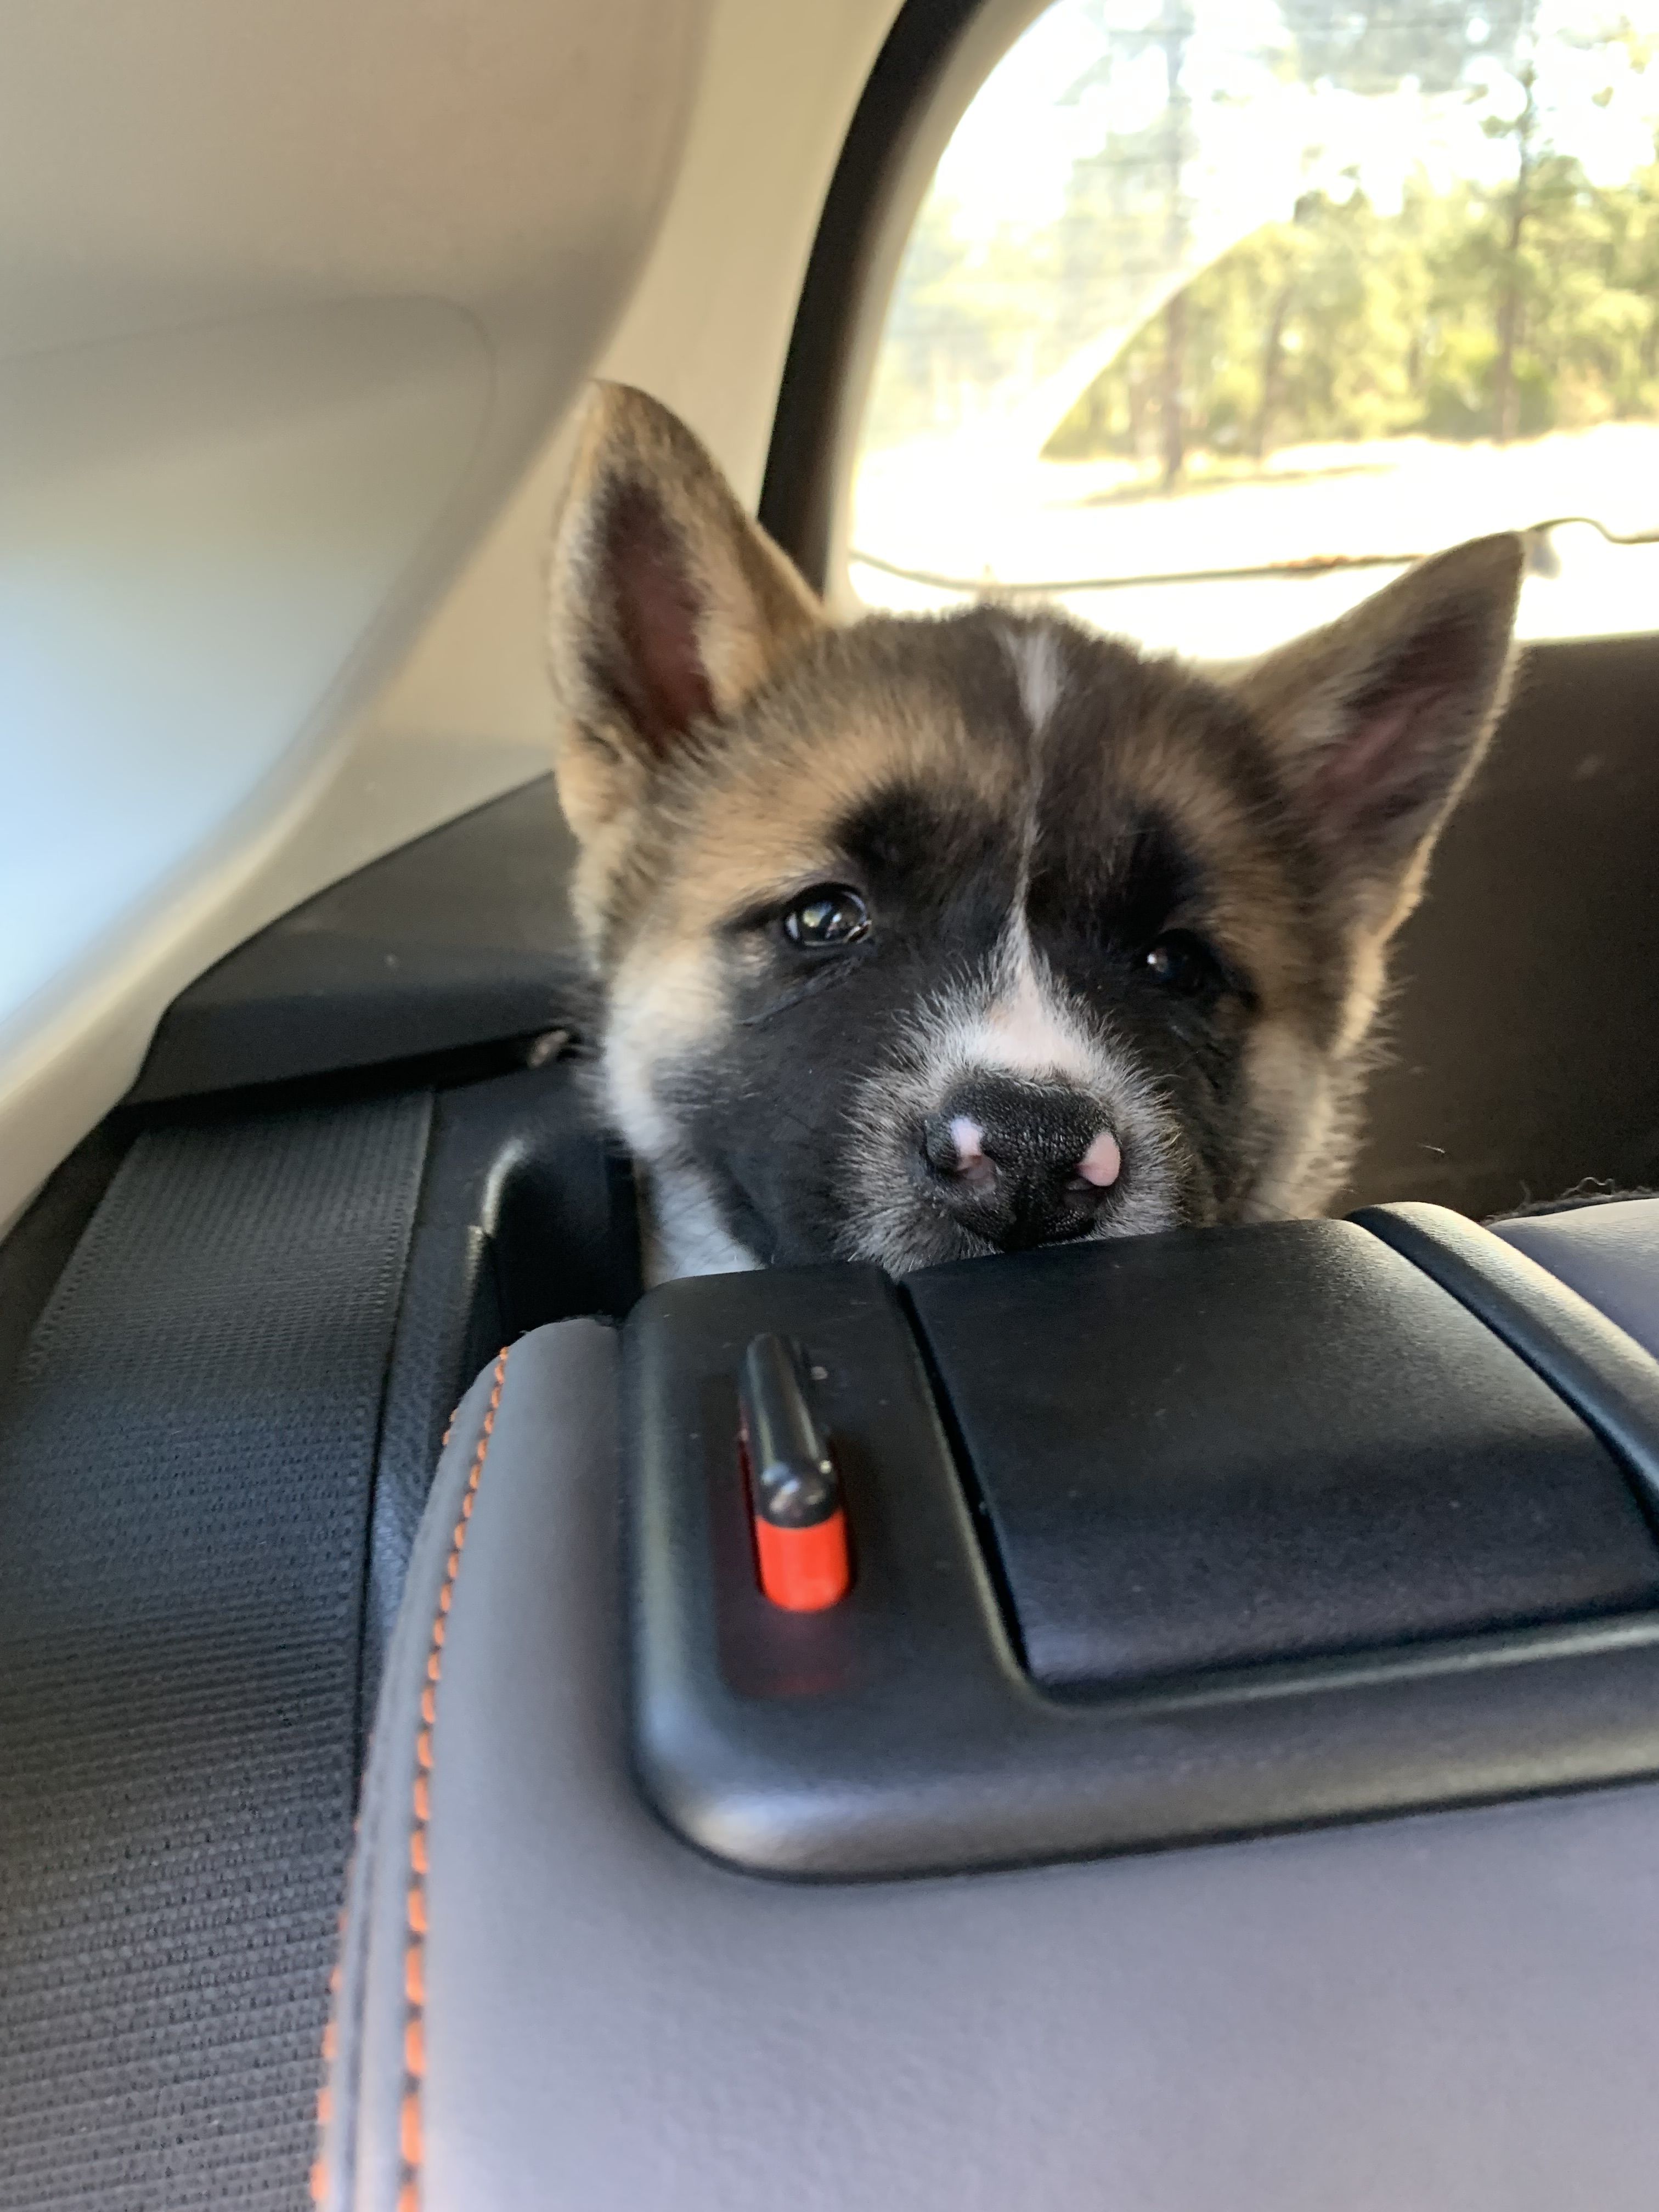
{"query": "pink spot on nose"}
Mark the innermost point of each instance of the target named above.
(1102, 1164)
(970, 1140)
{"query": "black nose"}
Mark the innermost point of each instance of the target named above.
(1021, 1164)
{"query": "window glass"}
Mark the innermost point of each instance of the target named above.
(1217, 311)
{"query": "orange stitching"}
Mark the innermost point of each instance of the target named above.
(409, 2195)
(410, 2136)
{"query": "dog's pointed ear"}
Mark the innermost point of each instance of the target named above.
(667, 605)
(1380, 718)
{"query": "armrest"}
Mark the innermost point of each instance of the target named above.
(1609, 1253)
(548, 2003)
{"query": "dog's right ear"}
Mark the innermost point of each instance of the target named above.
(667, 606)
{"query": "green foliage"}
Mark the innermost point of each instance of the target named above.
(1497, 309)
(1348, 324)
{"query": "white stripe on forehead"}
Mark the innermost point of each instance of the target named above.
(1024, 1026)
(1039, 671)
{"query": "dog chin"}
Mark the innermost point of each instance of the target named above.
(901, 1243)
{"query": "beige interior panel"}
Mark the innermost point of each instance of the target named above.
(291, 309)
(707, 330)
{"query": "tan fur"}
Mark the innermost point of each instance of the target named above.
(1296, 692)
(755, 607)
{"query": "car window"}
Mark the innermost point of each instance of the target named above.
(1218, 311)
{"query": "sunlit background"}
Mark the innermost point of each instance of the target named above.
(1231, 285)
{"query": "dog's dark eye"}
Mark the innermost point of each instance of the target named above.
(1183, 963)
(827, 918)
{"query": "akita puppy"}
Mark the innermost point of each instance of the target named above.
(923, 938)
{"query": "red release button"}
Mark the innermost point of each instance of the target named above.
(804, 1569)
(794, 1491)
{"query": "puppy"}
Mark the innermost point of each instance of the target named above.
(920, 939)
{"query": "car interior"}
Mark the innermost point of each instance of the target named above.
(1168, 1724)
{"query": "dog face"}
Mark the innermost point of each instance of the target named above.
(927, 938)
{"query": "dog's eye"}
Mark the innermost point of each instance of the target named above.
(827, 917)
(1183, 963)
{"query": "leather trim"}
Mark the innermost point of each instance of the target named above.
(411, 2134)
(1457, 2008)
(360, 2165)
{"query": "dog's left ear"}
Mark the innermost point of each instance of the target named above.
(1380, 718)
(667, 605)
